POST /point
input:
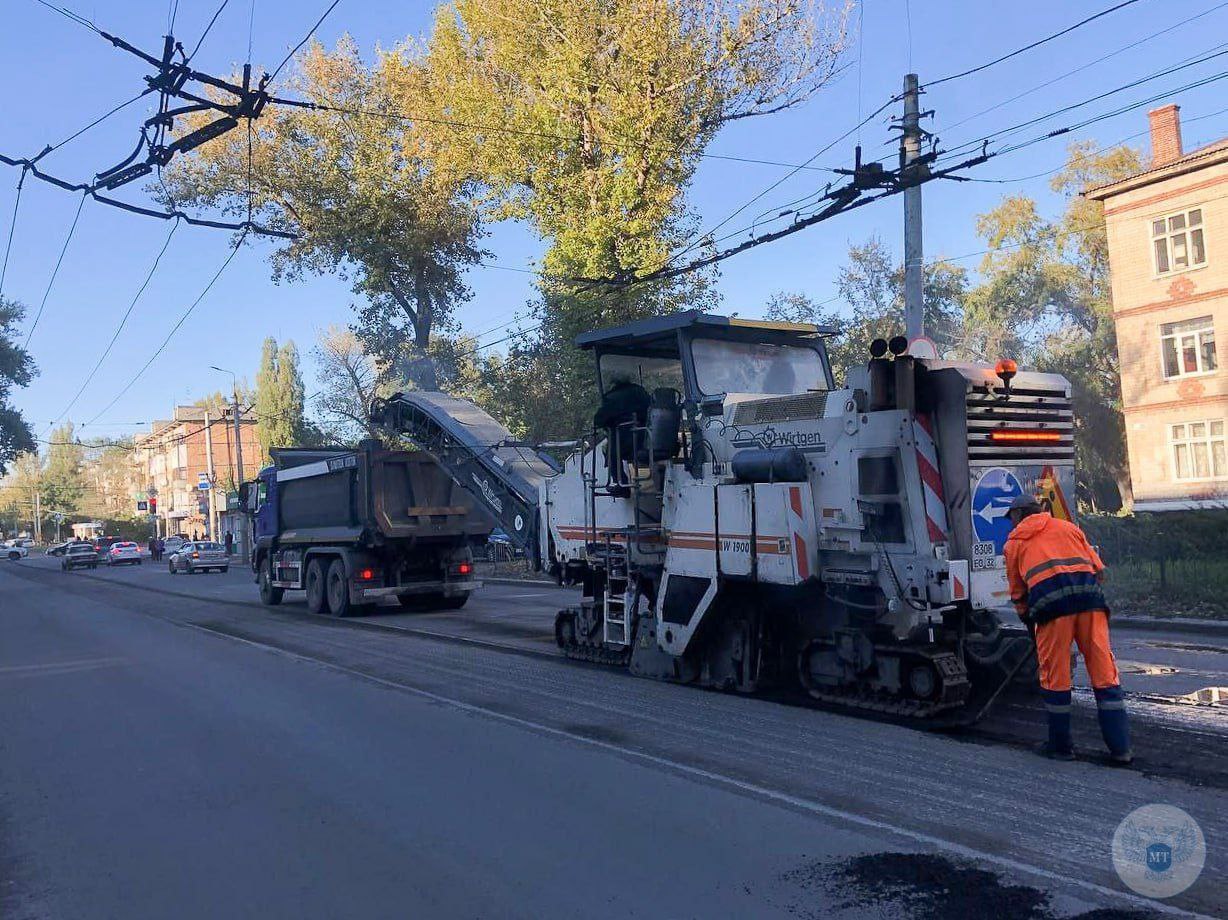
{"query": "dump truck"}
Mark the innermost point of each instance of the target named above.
(738, 521)
(349, 527)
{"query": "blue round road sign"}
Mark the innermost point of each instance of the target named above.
(990, 501)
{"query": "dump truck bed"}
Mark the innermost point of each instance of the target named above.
(337, 495)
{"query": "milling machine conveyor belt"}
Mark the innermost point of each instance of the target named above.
(505, 476)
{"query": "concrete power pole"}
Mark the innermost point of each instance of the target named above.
(238, 442)
(241, 537)
(914, 259)
(213, 534)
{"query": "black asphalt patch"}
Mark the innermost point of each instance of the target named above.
(928, 886)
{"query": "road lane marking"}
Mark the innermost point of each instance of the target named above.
(729, 782)
(52, 668)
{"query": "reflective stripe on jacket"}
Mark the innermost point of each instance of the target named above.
(1052, 569)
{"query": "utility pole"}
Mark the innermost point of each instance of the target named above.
(238, 441)
(38, 517)
(241, 536)
(914, 259)
(213, 534)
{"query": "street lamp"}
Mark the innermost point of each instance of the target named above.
(234, 382)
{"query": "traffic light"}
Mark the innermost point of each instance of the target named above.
(153, 505)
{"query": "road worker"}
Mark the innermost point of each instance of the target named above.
(1055, 577)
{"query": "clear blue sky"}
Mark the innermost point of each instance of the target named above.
(55, 77)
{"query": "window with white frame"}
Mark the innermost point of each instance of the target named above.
(1200, 450)
(1188, 347)
(1177, 241)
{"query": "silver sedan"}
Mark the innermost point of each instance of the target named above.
(198, 556)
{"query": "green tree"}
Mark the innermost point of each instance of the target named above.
(598, 115)
(17, 489)
(63, 484)
(1045, 299)
(111, 481)
(871, 286)
(360, 190)
(279, 398)
(16, 370)
(220, 404)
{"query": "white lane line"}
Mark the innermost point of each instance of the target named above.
(719, 779)
(513, 596)
(59, 667)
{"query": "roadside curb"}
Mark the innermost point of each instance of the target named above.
(1175, 624)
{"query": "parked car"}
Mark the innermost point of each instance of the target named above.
(16, 551)
(123, 553)
(200, 556)
(79, 556)
(57, 549)
(173, 544)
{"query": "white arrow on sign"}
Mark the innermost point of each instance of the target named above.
(989, 512)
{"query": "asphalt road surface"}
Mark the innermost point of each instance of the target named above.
(168, 747)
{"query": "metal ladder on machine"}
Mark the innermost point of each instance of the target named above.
(615, 621)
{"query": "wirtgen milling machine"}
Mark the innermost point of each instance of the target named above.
(738, 522)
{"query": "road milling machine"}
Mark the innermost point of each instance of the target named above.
(738, 522)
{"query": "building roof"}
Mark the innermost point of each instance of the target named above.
(1206, 155)
(162, 429)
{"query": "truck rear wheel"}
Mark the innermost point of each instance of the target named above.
(317, 599)
(270, 595)
(337, 589)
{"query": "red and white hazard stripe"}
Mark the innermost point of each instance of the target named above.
(797, 525)
(931, 479)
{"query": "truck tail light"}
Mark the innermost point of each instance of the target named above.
(464, 568)
(1025, 437)
(196, 555)
(366, 575)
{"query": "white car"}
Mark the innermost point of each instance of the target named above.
(16, 550)
(123, 554)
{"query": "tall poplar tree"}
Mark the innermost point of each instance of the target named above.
(279, 397)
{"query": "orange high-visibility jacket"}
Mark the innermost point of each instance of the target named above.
(1052, 569)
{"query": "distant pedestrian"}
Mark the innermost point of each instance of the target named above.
(1055, 577)
(230, 543)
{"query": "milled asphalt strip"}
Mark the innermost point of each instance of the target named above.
(719, 779)
(350, 622)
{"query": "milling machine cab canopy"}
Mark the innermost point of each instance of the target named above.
(703, 358)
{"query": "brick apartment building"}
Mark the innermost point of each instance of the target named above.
(173, 457)
(1168, 252)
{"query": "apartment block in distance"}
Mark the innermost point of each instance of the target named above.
(1168, 253)
(174, 456)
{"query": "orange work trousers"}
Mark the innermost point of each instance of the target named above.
(1090, 631)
